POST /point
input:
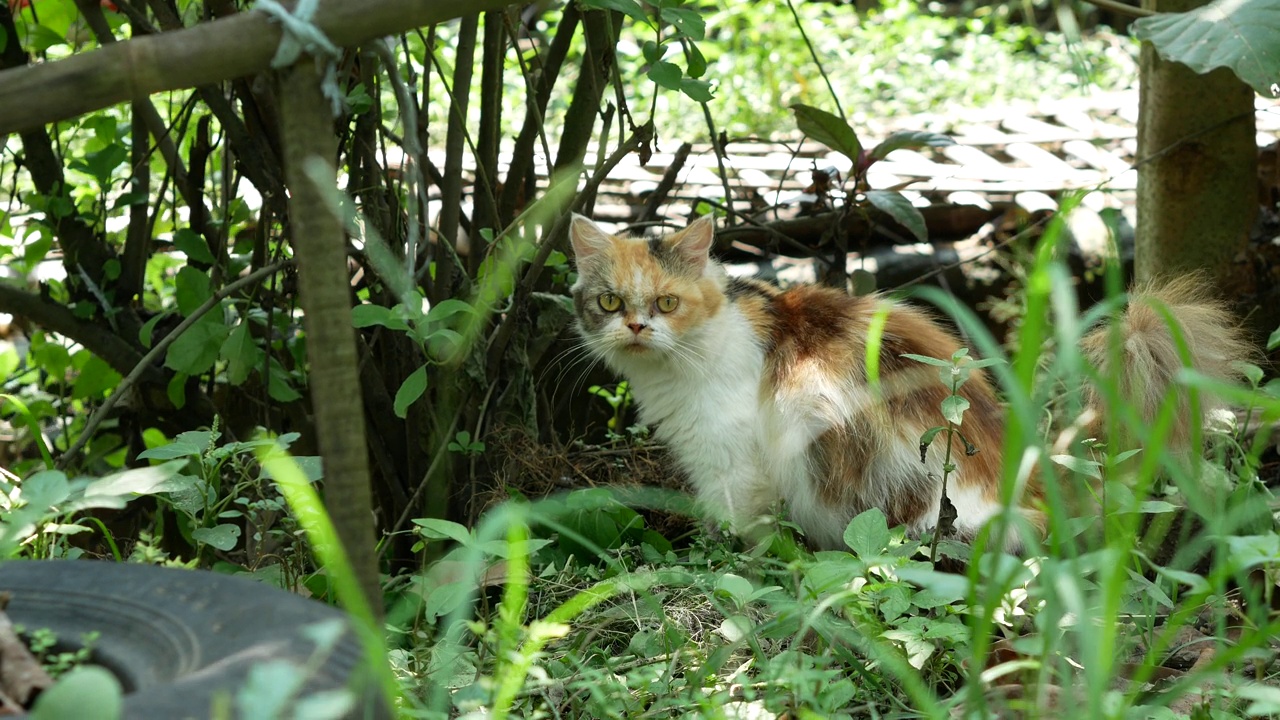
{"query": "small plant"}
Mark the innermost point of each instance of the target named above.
(619, 399)
(953, 373)
(42, 642)
(462, 443)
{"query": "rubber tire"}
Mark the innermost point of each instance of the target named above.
(177, 638)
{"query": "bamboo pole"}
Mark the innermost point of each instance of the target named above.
(207, 53)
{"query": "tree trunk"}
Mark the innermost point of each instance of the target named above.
(1196, 185)
(325, 288)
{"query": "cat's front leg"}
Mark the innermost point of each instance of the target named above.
(738, 493)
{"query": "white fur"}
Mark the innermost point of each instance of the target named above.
(743, 451)
(705, 403)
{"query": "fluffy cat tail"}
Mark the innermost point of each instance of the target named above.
(1150, 355)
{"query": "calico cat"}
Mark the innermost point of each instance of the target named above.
(762, 394)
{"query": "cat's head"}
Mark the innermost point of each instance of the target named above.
(643, 297)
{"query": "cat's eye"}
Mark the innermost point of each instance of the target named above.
(667, 303)
(610, 302)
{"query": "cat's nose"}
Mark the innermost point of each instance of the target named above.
(636, 327)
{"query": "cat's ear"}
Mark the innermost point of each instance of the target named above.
(587, 238)
(693, 244)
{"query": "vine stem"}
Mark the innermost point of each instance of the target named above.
(814, 54)
(101, 413)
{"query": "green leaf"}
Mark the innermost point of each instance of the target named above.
(1243, 35)
(630, 8)
(89, 692)
(102, 163)
(737, 588)
(195, 352)
(368, 315)
(192, 443)
(223, 537)
(1079, 465)
(939, 588)
(652, 51)
(149, 328)
(868, 534)
(909, 139)
(191, 244)
(129, 199)
(94, 379)
(410, 390)
(177, 389)
(666, 74)
(927, 360)
(45, 489)
(241, 353)
(687, 21)
(828, 129)
(699, 90)
(138, 481)
(953, 407)
(279, 387)
(444, 599)
(897, 206)
(446, 309)
(439, 529)
(695, 60)
(1265, 699)
(191, 289)
(1273, 342)
(927, 438)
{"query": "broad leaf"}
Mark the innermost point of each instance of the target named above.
(897, 206)
(666, 74)
(45, 489)
(868, 534)
(1079, 465)
(698, 90)
(195, 352)
(439, 529)
(191, 289)
(687, 20)
(192, 245)
(410, 390)
(909, 139)
(88, 693)
(241, 353)
(953, 407)
(828, 129)
(223, 537)
(1243, 35)
(94, 379)
(368, 315)
(736, 587)
(139, 481)
(187, 444)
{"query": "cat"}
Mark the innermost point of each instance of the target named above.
(762, 393)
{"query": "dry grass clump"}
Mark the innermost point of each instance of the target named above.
(522, 465)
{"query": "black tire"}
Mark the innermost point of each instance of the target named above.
(178, 638)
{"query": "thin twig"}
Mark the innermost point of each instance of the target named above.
(835, 97)
(502, 335)
(668, 181)
(145, 363)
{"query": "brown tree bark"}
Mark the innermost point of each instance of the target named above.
(202, 55)
(324, 286)
(1196, 182)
